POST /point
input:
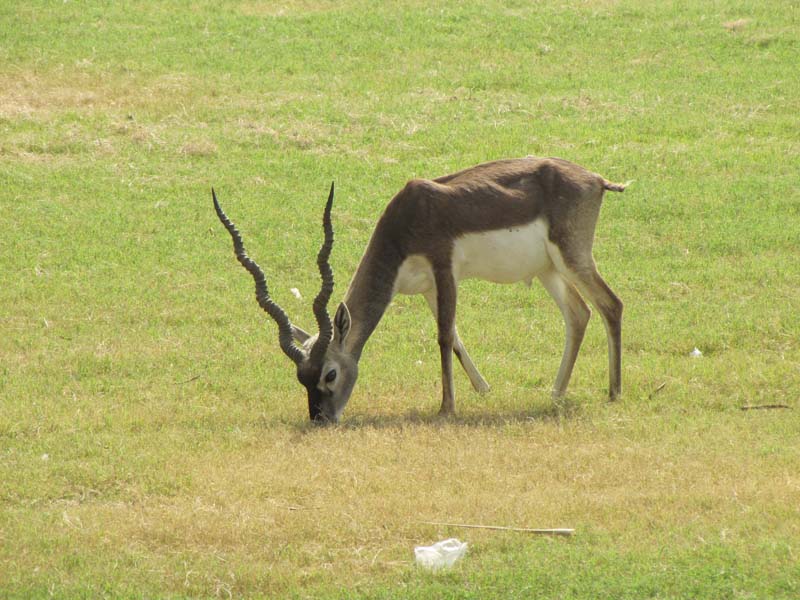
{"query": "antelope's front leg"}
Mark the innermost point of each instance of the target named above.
(475, 377)
(448, 390)
(446, 322)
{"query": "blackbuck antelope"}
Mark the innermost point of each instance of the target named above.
(503, 221)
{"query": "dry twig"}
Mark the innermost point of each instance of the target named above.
(564, 532)
(658, 389)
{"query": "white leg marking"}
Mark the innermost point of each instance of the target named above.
(576, 315)
(588, 282)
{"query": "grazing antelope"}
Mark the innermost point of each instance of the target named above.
(503, 221)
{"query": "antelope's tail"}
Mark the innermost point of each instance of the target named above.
(615, 187)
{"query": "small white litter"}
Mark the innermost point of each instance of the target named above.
(695, 353)
(441, 555)
(296, 293)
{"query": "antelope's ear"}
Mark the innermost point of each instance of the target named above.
(341, 323)
(299, 335)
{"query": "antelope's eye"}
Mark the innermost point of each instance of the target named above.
(330, 376)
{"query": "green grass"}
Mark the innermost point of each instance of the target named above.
(152, 435)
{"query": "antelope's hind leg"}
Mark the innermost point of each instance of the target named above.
(576, 316)
(572, 258)
(475, 378)
(609, 305)
(589, 282)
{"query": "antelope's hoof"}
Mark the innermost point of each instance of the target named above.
(482, 387)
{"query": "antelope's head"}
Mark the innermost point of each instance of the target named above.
(324, 367)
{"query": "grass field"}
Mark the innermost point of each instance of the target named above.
(153, 438)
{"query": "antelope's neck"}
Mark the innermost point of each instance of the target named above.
(371, 291)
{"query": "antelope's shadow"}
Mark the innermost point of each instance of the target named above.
(565, 409)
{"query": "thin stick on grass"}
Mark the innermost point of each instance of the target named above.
(764, 406)
(562, 532)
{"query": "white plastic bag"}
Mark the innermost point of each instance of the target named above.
(441, 555)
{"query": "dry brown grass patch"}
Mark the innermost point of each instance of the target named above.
(288, 8)
(199, 148)
(42, 96)
(736, 25)
(26, 95)
(349, 503)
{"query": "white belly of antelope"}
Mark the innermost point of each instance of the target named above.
(504, 255)
(500, 256)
